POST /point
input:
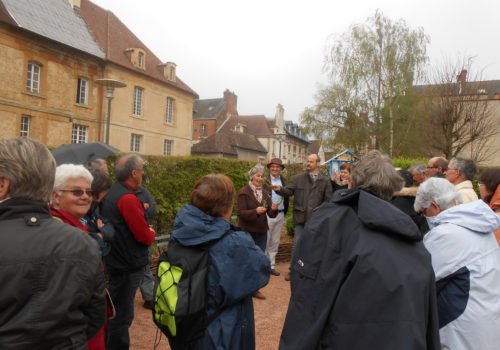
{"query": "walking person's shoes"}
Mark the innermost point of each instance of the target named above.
(287, 277)
(274, 272)
(148, 304)
(259, 295)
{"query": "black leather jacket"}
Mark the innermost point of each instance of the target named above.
(52, 285)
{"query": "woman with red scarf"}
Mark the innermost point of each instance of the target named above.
(71, 200)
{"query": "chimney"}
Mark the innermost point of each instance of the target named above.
(75, 3)
(462, 77)
(280, 118)
(231, 102)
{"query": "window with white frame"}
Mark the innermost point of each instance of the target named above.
(82, 91)
(135, 143)
(170, 110)
(79, 134)
(167, 147)
(203, 131)
(138, 94)
(33, 81)
(172, 73)
(25, 125)
(140, 60)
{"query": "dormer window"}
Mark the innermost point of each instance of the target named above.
(140, 60)
(137, 57)
(170, 71)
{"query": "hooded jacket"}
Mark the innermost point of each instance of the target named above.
(466, 260)
(238, 269)
(362, 280)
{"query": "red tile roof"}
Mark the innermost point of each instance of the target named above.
(227, 142)
(114, 37)
(255, 124)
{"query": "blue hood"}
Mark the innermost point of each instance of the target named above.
(193, 227)
(475, 216)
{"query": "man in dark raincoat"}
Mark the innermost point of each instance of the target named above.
(362, 279)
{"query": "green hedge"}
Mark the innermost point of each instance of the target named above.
(170, 180)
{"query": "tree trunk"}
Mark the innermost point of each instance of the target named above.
(391, 130)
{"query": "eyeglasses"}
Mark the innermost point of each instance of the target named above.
(79, 193)
(432, 167)
(424, 211)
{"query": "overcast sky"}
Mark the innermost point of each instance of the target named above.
(272, 51)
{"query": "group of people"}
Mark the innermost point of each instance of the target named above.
(382, 258)
(63, 229)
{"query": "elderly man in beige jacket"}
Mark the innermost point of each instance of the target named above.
(460, 173)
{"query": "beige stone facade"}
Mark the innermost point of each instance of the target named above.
(49, 114)
(151, 125)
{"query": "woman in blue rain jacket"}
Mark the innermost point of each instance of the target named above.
(238, 267)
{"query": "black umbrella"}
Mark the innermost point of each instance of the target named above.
(80, 153)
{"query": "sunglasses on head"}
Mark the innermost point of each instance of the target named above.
(79, 193)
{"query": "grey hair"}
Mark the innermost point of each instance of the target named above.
(375, 174)
(467, 167)
(29, 166)
(418, 167)
(437, 190)
(126, 164)
(67, 172)
(96, 163)
(258, 168)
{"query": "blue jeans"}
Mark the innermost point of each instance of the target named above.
(299, 230)
(122, 289)
(147, 282)
(260, 239)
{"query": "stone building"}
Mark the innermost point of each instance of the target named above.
(153, 113)
(51, 54)
(48, 63)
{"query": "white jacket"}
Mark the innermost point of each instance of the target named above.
(467, 191)
(466, 261)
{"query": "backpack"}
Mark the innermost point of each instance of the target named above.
(180, 302)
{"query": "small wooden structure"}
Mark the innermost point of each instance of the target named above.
(335, 162)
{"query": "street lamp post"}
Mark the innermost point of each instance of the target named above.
(110, 85)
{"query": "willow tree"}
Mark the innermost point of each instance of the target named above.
(375, 62)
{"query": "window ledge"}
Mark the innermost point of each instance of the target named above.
(137, 117)
(82, 105)
(34, 94)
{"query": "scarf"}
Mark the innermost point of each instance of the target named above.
(257, 191)
(341, 182)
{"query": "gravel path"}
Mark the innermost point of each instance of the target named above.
(269, 317)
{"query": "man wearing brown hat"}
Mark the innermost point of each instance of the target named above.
(275, 166)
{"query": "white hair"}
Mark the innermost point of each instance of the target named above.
(67, 172)
(438, 190)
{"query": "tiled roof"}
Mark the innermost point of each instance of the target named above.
(294, 130)
(208, 109)
(53, 19)
(255, 124)
(313, 147)
(490, 87)
(227, 142)
(114, 37)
